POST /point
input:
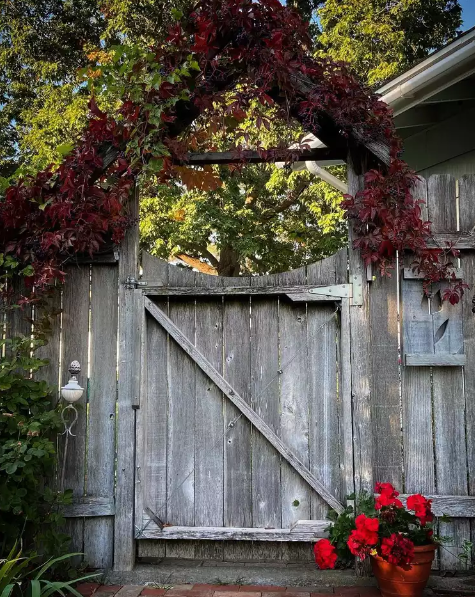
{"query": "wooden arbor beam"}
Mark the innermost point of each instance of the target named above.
(319, 154)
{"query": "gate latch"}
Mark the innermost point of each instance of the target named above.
(353, 291)
(131, 283)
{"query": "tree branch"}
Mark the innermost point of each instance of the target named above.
(291, 199)
(194, 262)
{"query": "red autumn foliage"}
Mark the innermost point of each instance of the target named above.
(259, 49)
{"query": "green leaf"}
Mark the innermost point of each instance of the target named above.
(65, 148)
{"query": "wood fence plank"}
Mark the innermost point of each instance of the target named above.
(154, 419)
(294, 419)
(266, 483)
(181, 426)
(184, 278)
(240, 403)
(238, 534)
(209, 425)
(128, 390)
(324, 403)
(75, 347)
(50, 317)
(155, 270)
(385, 399)
(237, 441)
(153, 414)
(419, 458)
(448, 394)
(467, 219)
(98, 533)
(346, 429)
(243, 289)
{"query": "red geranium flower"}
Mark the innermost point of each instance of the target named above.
(397, 550)
(364, 537)
(325, 554)
(422, 508)
(388, 496)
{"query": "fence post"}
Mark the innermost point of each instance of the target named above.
(124, 544)
(361, 365)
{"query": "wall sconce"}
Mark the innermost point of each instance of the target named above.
(72, 391)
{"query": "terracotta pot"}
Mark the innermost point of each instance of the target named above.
(395, 581)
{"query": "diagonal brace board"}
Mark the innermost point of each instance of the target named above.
(241, 404)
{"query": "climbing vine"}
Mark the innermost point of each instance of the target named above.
(226, 58)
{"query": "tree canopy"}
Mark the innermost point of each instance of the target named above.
(45, 43)
(381, 38)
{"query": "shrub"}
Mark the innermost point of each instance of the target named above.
(28, 424)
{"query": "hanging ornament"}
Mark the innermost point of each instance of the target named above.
(71, 393)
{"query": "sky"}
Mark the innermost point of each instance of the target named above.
(468, 14)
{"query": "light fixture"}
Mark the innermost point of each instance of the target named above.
(72, 391)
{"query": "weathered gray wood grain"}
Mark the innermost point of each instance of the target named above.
(324, 403)
(419, 465)
(258, 288)
(75, 346)
(265, 400)
(458, 240)
(467, 220)
(238, 534)
(435, 360)
(209, 423)
(448, 393)
(385, 406)
(50, 316)
(128, 389)
(154, 419)
(410, 274)
(345, 395)
(181, 423)
(294, 419)
(237, 439)
(240, 403)
(91, 507)
(154, 270)
(361, 364)
(98, 533)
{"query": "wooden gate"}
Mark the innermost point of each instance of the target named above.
(244, 425)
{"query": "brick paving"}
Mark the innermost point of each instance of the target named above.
(205, 590)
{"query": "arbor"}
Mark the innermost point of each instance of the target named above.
(45, 109)
(224, 61)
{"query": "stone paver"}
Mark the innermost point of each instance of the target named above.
(208, 590)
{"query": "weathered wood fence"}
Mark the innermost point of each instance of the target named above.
(221, 406)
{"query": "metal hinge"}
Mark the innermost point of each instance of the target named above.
(352, 291)
(131, 283)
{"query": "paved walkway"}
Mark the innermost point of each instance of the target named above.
(203, 590)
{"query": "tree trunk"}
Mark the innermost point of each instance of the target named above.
(228, 262)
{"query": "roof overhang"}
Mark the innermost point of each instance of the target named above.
(432, 76)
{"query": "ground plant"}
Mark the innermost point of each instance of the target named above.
(22, 576)
(28, 426)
